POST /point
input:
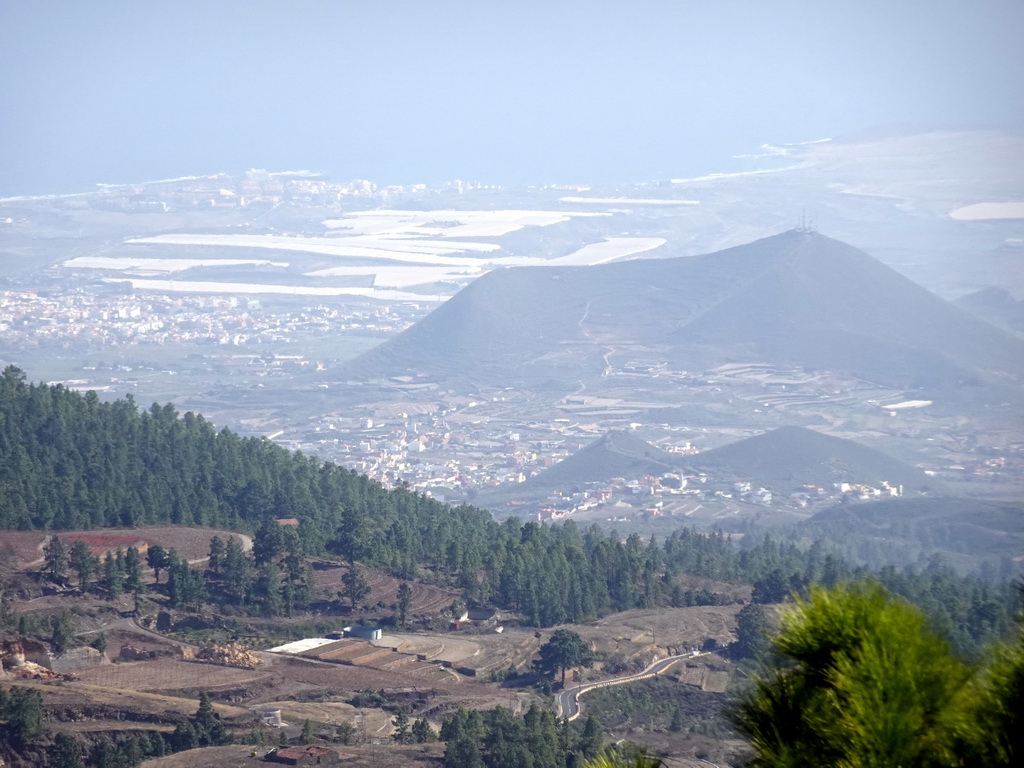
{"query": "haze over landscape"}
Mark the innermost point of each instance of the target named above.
(481, 384)
(520, 93)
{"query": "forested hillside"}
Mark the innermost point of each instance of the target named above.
(68, 461)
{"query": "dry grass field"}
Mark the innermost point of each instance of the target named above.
(167, 674)
(430, 673)
(363, 756)
(427, 600)
(661, 630)
(135, 706)
(153, 694)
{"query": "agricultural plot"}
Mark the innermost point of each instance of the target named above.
(476, 653)
(192, 544)
(294, 674)
(100, 703)
(659, 631)
(167, 674)
(364, 756)
(427, 600)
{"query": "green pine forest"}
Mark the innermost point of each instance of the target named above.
(71, 461)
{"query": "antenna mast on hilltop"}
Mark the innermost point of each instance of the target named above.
(806, 225)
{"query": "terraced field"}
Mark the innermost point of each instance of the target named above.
(427, 600)
(192, 544)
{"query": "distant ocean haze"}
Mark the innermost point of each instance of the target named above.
(985, 211)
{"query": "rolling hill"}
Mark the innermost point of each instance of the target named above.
(781, 460)
(798, 298)
(615, 454)
(997, 306)
(790, 457)
(901, 531)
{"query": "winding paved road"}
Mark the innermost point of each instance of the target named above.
(569, 700)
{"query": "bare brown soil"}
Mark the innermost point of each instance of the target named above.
(135, 706)
(483, 651)
(150, 694)
(662, 629)
(155, 693)
(167, 674)
(427, 600)
(240, 756)
(231, 756)
(190, 543)
(357, 678)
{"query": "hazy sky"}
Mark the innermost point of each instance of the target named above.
(510, 92)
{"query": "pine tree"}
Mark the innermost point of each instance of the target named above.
(258, 737)
(237, 573)
(82, 562)
(345, 733)
(404, 602)
(184, 737)
(401, 724)
(751, 632)
(422, 733)
(209, 729)
(462, 753)
(63, 635)
(216, 562)
(113, 576)
(565, 649)
(185, 587)
(677, 720)
(156, 558)
(268, 589)
(158, 745)
(542, 742)
(133, 580)
(108, 754)
(998, 741)
(55, 563)
(64, 753)
(24, 712)
(132, 751)
(592, 737)
(866, 684)
(268, 543)
(354, 586)
(352, 540)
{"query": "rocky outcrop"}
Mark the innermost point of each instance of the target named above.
(230, 655)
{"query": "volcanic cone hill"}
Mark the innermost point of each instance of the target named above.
(797, 298)
(995, 305)
(790, 457)
(615, 454)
